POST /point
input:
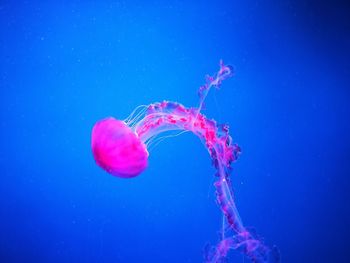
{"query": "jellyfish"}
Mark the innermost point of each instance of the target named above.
(121, 149)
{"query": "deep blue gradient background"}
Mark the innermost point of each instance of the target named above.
(64, 66)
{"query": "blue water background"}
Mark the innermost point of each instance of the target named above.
(64, 66)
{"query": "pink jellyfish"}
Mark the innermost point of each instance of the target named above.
(120, 148)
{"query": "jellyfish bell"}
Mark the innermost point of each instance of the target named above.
(117, 149)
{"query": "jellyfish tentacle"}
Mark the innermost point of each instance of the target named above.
(223, 152)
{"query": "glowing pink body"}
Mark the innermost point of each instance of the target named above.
(117, 149)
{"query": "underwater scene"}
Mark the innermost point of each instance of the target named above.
(174, 131)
